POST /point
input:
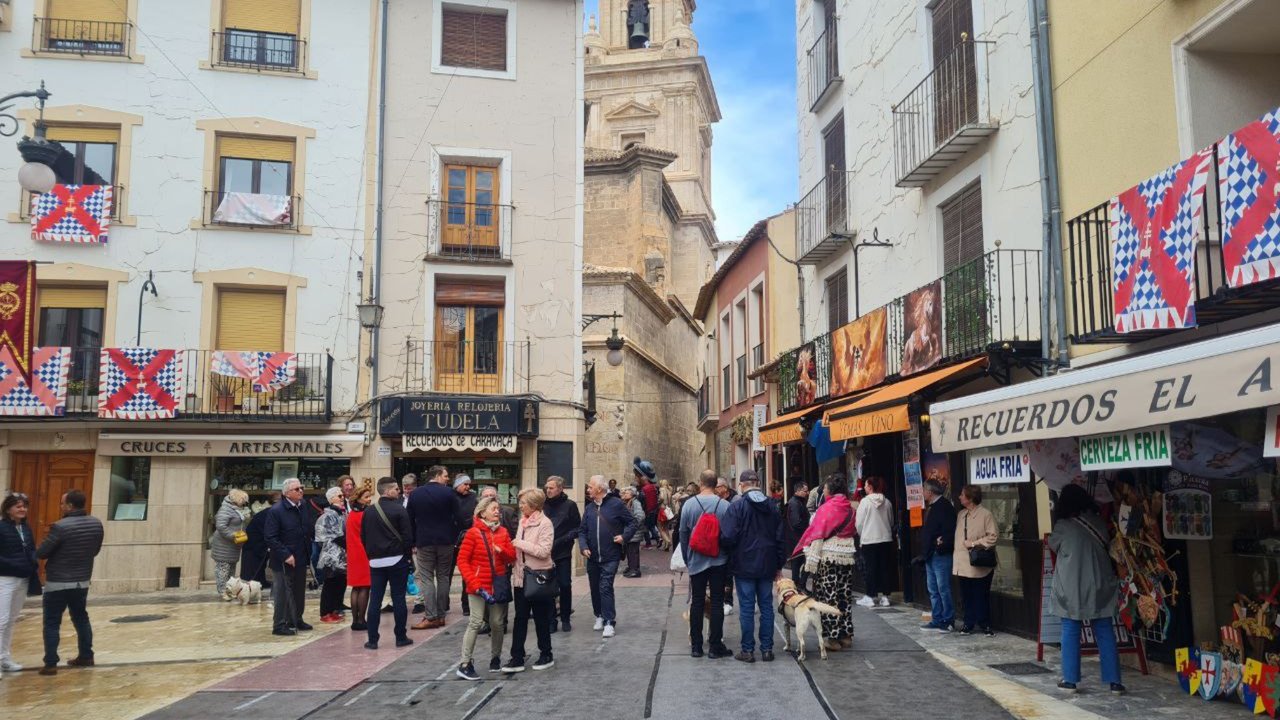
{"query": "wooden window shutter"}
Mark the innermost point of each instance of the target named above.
(837, 300)
(268, 16)
(951, 19)
(256, 148)
(962, 228)
(473, 39)
(90, 10)
(250, 320)
(80, 133)
(73, 297)
(469, 291)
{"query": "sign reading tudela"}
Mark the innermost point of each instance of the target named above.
(1148, 447)
(999, 466)
(113, 444)
(458, 415)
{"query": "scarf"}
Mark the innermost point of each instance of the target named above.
(493, 527)
(829, 516)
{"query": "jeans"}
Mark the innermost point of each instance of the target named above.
(600, 576)
(55, 603)
(977, 600)
(397, 576)
(755, 593)
(496, 615)
(434, 575)
(564, 577)
(710, 579)
(289, 595)
(13, 592)
(542, 612)
(1104, 634)
(937, 572)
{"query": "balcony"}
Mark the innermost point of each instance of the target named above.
(990, 304)
(726, 388)
(251, 210)
(81, 37)
(824, 68)
(481, 367)
(757, 361)
(823, 224)
(117, 195)
(943, 117)
(254, 50)
(207, 395)
(708, 418)
(470, 231)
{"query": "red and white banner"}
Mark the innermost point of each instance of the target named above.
(72, 214)
(1249, 194)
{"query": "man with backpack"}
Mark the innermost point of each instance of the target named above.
(700, 545)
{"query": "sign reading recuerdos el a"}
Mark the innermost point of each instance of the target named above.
(1145, 447)
(989, 467)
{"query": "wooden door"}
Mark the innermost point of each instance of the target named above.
(470, 212)
(468, 352)
(44, 478)
(955, 69)
(833, 155)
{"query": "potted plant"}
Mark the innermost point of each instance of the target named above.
(76, 398)
(223, 388)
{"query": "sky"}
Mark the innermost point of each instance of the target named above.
(750, 48)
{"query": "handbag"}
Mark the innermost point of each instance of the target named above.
(979, 556)
(501, 594)
(538, 584)
(240, 537)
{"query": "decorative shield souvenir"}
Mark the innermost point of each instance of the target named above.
(1210, 674)
(1187, 662)
(1232, 674)
(1251, 687)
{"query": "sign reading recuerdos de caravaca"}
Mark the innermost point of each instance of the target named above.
(1146, 447)
(989, 467)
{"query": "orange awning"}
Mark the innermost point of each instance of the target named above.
(885, 410)
(784, 429)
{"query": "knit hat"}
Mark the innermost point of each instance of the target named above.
(461, 479)
(644, 467)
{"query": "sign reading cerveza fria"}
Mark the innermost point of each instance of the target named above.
(1147, 447)
(462, 415)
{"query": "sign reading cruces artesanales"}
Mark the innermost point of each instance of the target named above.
(1145, 447)
(454, 415)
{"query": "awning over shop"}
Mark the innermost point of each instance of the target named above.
(1197, 380)
(885, 410)
(784, 429)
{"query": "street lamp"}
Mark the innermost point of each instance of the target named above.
(37, 174)
(370, 314)
(614, 342)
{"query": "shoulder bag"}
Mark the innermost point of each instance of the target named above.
(501, 594)
(979, 555)
(538, 584)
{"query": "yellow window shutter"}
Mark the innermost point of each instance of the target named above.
(72, 297)
(256, 148)
(269, 16)
(99, 10)
(250, 320)
(81, 133)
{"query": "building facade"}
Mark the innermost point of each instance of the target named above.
(229, 139)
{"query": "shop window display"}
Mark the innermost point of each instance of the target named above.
(130, 485)
(1002, 501)
(258, 478)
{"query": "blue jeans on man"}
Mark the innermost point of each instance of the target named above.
(937, 573)
(600, 575)
(397, 576)
(755, 593)
(1104, 635)
(55, 603)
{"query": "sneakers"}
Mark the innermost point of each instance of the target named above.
(745, 656)
(936, 627)
(1069, 687)
(1118, 689)
(608, 631)
(866, 601)
(988, 632)
(514, 665)
(728, 609)
(966, 630)
(766, 655)
(565, 626)
(331, 618)
(884, 601)
(599, 624)
(544, 661)
(468, 672)
(495, 665)
(10, 666)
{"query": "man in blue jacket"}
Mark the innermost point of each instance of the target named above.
(433, 508)
(938, 533)
(752, 532)
(288, 534)
(607, 527)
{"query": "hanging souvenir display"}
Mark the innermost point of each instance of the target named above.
(18, 311)
(46, 393)
(1249, 196)
(1148, 585)
(139, 383)
(72, 214)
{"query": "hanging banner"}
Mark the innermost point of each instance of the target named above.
(139, 383)
(990, 467)
(1155, 226)
(922, 324)
(72, 214)
(759, 416)
(1145, 447)
(1249, 197)
(806, 375)
(44, 393)
(18, 311)
(1188, 507)
(857, 354)
(268, 371)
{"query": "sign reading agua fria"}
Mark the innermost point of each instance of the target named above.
(999, 466)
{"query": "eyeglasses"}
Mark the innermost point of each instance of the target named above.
(20, 496)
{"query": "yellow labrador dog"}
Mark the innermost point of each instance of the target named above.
(801, 612)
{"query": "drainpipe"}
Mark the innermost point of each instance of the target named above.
(378, 210)
(1046, 138)
(800, 292)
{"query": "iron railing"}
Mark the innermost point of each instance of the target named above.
(986, 303)
(470, 230)
(258, 50)
(117, 192)
(823, 213)
(824, 65)
(206, 395)
(944, 115)
(81, 37)
(215, 213)
(704, 401)
(481, 367)
(726, 388)
(757, 360)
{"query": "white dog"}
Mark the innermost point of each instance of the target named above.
(245, 592)
(802, 612)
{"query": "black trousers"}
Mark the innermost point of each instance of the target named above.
(395, 579)
(542, 613)
(289, 594)
(633, 557)
(564, 577)
(332, 591)
(798, 575)
(710, 579)
(976, 594)
(878, 559)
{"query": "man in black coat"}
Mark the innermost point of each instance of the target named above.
(68, 551)
(607, 527)
(253, 554)
(797, 521)
(566, 519)
(938, 533)
(462, 522)
(289, 533)
(387, 533)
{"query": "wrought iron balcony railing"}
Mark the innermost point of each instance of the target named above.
(252, 210)
(481, 367)
(707, 415)
(472, 231)
(988, 303)
(117, 196)
(258, 50)
(823, 220)
(206, 395)
(943, 116)
(81, 37)
(824, 65)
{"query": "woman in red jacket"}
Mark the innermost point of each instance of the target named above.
(486, 551)
(357, 560)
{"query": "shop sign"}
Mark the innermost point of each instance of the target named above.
(989, 467)
(874, 422)
(464, 442)
(253, 446)
(1271, 445)
(1208, 378)
(1147, 447)
(760, 416)
(791, 432)
(454, 415)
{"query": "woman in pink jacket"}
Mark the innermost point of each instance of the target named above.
(533, 542)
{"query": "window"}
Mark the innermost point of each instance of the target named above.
(474, 37)
(965, 295)
(956, 91)
(837, 301)
(73, 317)
(84, 27)
(470, 211)
(836, 178)
(94, 151)
(130, 485)
(250, 320)
(468, 348)
(260, 34)
(629, 139)
(726, 357)
(962, 228)
(255, 181)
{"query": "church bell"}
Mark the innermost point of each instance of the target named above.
(639, 34)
